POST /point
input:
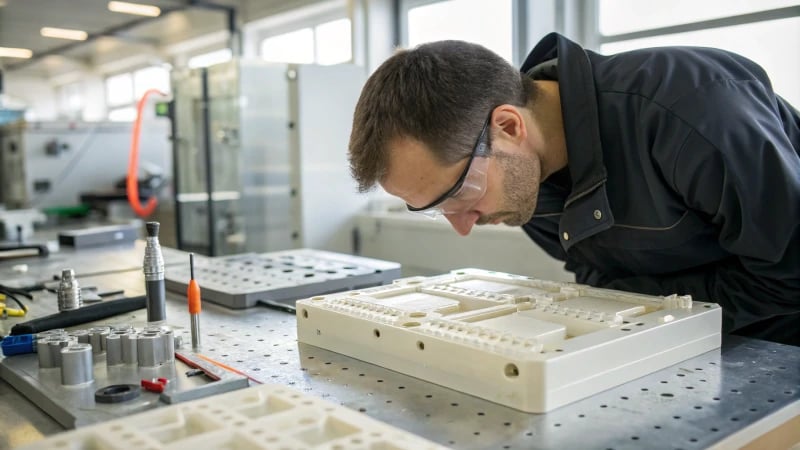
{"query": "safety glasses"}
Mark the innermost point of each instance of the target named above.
(470, 187)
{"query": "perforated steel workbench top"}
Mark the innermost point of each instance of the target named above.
(723, 397)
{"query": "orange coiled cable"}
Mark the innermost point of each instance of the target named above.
(132, 182)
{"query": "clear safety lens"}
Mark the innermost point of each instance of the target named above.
(472, 191)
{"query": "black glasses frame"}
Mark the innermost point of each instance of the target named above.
(481, 149)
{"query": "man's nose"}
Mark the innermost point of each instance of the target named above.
(463, 222)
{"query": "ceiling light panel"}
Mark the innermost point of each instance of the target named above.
(10, 52)
(63, 33)
(134, 8)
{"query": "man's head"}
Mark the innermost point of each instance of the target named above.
(441, 126)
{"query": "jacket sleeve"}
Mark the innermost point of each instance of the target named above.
(739, 167)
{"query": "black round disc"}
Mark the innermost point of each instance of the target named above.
(117, 393)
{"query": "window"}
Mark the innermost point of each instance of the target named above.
(211, 58)
(70, 100)
(740, 26)
(293, 47)
(119, 89)
(486, 23)
(125, 89)
(333, 42)
(326, 43)
(625, 16)
(155, 77)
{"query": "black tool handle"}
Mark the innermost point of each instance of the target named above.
(79, 316)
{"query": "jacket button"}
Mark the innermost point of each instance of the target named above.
(597, 214)
(566, 236)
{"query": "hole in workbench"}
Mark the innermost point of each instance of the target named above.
(667, 394)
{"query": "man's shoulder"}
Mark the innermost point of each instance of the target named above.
(666, 74)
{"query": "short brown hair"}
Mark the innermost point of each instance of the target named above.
(439, 93)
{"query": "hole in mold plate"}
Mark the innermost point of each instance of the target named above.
(331, 429)
(420, 345)
(511, 370)
(305, 313)
(417, 314)
(411, 324)
(376, 332)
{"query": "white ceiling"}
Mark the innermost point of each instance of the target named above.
(113, 36)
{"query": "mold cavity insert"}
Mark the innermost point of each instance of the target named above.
(612, 307)
(498, 288)
(192, 424)
(265, 407)
(429, 302)
(525, 327)
(327, 430)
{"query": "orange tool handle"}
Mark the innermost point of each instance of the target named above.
(193, 295)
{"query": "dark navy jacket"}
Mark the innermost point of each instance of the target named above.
(683, 177)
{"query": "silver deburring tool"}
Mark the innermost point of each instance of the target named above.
(154, 276)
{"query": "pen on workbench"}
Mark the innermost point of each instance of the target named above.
(193, 297)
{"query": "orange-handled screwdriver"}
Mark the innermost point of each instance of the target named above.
(193, 295)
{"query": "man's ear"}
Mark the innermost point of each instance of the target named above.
(508, 124)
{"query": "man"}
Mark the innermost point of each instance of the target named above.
(660, 171)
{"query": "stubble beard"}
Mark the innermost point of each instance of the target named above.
(521, 176)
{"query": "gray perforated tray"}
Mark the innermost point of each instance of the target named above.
(242, 281)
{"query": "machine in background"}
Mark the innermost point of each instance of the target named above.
(51, 164)
(276, 137)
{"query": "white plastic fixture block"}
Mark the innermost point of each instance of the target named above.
(529, 344)
(264, 417)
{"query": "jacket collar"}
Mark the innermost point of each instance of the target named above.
(582, 133)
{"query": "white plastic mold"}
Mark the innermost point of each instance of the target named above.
(529, 344)
(258, 418)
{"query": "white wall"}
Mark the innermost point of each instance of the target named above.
(35, 95)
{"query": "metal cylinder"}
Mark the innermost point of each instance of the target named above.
(150, 350)
(123, 327)
(129, 351)
(45, 353)
(113, 349)
(178, 338)
(97, 336)
(168, 338)
(69, 292)
(81, 335)
(195, 327)
(154, 275)
(50, 333)
(76, 364)
(57, 343)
